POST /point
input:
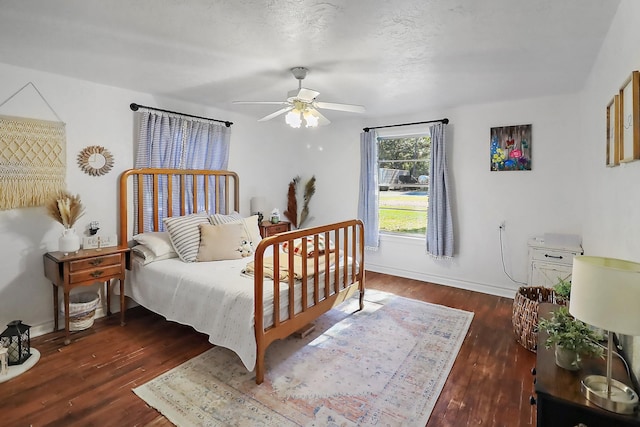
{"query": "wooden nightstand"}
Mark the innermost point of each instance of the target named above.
(267, 228)
(84, 269)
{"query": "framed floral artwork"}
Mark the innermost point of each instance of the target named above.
(511, 148)
(613, 132)
(629, 116)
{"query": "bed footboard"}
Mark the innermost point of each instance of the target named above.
(327, 265)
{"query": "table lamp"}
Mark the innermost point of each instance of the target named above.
(605, 293)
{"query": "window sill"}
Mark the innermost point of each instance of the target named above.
(402, 238)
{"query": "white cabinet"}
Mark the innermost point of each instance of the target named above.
(549, 262)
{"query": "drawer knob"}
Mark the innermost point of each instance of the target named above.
(553, 256)
(533, 370)
(97, 274)
(96, 262)
(532, 400)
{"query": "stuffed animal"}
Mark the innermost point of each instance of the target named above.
(245, 248)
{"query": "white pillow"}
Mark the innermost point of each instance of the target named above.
(146, 255)
(250, 225)
(159, 242)
(184, 232)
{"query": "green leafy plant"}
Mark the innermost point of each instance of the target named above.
(562, 289)
(570, 333)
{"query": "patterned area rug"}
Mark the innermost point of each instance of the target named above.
(384, 366)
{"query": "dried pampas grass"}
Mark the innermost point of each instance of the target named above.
(65, 208)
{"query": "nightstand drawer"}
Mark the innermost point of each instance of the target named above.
(97, 262)
(99, 274)
(268, 229)
(278, 228)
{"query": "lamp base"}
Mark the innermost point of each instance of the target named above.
(623, 399)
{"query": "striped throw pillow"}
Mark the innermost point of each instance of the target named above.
(184, 232)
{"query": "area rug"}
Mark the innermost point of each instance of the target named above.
(383, 366)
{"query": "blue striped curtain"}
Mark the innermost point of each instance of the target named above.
(368, 197)
(439, 222)
(172, 141)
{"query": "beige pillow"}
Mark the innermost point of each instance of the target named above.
(250, 224)
(221, 242)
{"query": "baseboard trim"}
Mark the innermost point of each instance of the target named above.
(47, 327)
(446, 281)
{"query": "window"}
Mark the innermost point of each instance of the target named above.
(403, 179)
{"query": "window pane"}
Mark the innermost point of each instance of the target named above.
(403, 168)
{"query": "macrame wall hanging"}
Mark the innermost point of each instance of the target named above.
(32, 158)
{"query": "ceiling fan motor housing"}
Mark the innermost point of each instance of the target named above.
(299, 72)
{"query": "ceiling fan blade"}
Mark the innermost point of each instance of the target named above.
(307, 95)
(261, 102)
(322, 120)
(340, 107)
(276, 114)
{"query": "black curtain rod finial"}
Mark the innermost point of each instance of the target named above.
(134, 106)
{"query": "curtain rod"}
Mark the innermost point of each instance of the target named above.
(135, 107)
(444, 121)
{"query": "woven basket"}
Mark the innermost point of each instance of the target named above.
(525, 313)
(82, 310)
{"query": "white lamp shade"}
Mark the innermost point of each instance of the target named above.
(605, 293)
(258, 204)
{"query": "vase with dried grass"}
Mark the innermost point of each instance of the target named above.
(66, 208)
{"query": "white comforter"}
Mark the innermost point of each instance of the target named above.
(213, 297)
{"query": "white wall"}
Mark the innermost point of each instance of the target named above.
(611, 208)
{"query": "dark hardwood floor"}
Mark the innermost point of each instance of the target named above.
(89, 382)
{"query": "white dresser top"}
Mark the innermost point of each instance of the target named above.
(563, 242)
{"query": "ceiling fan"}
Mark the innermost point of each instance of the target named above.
(301, 105)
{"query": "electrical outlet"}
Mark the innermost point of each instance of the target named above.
(502, 225)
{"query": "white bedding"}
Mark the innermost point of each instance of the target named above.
(213, 297)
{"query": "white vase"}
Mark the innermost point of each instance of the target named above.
(567, 359)
(69, 241)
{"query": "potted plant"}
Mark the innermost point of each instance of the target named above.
(571, 337)
(562, 291)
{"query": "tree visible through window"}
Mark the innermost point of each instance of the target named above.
(403, 179)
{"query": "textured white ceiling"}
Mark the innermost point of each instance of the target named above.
(392, 56)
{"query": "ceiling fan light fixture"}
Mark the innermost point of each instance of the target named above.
(293, 118)
(310, 119)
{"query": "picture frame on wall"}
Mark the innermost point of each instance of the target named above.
(510, 148)
(613, 132)
(629, 116)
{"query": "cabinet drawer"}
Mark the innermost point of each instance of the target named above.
(99, 274)
(100, 262)
(277, 228)
(553, 255)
